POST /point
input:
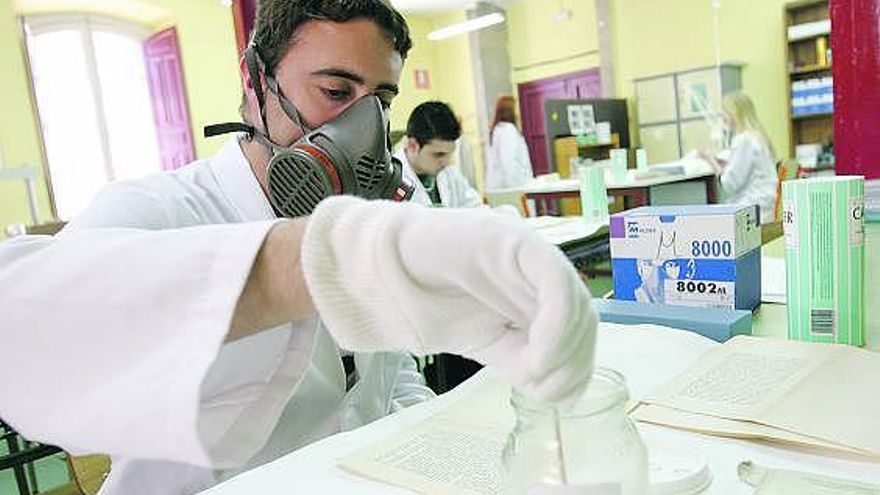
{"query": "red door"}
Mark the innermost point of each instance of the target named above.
(168, 93)
(577, 85)
(856, 79)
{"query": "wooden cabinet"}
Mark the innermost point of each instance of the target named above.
(674, 110)
(810, 84)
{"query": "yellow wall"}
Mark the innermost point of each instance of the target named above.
(19, 140)
(660, 36)
(210, 65)
(450, 69)
(455, 82)
(538, 43)
(421, 57)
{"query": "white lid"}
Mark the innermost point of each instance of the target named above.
(677, 470)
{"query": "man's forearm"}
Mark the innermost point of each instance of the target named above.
(275, 292)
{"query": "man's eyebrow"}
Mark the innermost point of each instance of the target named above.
(351, 76)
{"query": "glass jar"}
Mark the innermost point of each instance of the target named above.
(593, 443)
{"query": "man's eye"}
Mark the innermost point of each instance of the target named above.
(337, 94)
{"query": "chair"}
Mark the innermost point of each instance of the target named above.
(783, 173)
(87, 473)
(21, 457)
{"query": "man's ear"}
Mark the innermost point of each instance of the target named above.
(412, 146)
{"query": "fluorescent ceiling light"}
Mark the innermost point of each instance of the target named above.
(466, 26)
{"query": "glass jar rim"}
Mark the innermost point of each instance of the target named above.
(584, 405)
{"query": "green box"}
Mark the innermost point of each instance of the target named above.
(823, 220)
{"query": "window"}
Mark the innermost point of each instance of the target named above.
(94, 103)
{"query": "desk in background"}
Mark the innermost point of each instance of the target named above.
(635, 192)
(584, 244)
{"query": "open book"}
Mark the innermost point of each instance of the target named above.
(812, 394)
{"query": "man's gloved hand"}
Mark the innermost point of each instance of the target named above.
(386, 276)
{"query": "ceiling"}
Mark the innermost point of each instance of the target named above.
(429, 6)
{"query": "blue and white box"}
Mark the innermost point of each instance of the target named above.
(701, 255)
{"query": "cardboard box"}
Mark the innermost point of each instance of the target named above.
(702, 255)
(824, 227)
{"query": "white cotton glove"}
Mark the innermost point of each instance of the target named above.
(390, 276)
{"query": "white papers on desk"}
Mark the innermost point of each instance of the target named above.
(440, 456)
(795, 392)
(872, 195)
(772, 280)
(561, 230)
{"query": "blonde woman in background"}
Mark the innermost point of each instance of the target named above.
(747, 168)
(509, 164)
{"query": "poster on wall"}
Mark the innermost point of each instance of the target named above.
(581, 120)
(422, 79)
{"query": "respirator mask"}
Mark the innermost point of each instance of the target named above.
(350, 155)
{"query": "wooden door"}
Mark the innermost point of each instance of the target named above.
(576, 85)
(168, 93)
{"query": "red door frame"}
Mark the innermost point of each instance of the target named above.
(575, 85)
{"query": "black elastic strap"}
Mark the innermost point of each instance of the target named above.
(251, 57)
(227, 127)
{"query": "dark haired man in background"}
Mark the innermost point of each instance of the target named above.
(431, 134)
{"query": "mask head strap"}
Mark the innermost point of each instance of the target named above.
(255, 66)
(286, 105)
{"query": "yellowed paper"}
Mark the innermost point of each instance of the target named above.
(824, 391)
(712, 425)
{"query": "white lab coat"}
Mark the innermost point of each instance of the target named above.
(464, 161)
(749, 177)
(275, 391)
(455, 192)
(509, 164)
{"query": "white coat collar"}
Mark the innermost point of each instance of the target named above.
(420, 196)
(237, 180)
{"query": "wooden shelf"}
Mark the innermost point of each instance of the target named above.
(806, 58)
(809, 37)
(809, 69)
(812, 115)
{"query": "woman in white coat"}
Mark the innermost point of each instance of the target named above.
(509, 165)
(747, 168)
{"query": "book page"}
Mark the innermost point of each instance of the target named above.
(840, 401)
(712, 425)
(824, 391)
(773, 280)
(741, 379)
(439, 456)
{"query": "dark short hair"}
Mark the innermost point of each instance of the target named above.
(277, 22)
(433, 120)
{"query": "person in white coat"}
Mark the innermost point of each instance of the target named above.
(509, 165)
(747, 168)
(195, 335)
(432, 131)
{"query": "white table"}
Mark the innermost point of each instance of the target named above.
(647, 356)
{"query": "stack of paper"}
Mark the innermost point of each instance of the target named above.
(820, 395)
(872, 200)
(772, 280)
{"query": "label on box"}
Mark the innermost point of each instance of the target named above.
(687, 257)
(790, 225)
(857, 221)
(713, 294)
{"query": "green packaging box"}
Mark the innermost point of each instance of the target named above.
(823, 219)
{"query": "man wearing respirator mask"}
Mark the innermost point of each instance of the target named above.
(223, 340)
